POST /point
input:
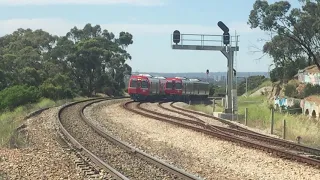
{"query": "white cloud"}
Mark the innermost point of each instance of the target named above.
(61, 27)
(51, 2)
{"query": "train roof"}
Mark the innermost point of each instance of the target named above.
(138, 76)
(146, 75)
(183, 78)
(173, 78)
(159, 77)
(197, 80)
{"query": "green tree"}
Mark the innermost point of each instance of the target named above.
(287, 58)
(97, 58)
(84, 61)
(299, 26)
(253, 82)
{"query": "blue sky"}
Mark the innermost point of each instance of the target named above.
(151, 22)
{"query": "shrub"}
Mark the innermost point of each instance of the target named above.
(51, 91)
(290, 90)
(311, 90)
(15, 96)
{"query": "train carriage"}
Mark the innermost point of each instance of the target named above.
(173, 89)
(146, 87)
(194, 89)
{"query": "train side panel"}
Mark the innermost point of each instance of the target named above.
(194, 90)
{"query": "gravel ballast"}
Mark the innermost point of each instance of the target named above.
(214, 122)
(43, 158)
(123, 161)
(195, 152)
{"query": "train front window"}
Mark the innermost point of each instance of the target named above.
(133, 83)
(144, 84)
(178, 86)
(169, 85)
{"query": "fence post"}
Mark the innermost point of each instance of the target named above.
(284, 129)
(245, 116)
(272, 121)
(213, 106)
(298, 139)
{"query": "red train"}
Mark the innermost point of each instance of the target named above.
(144, 87)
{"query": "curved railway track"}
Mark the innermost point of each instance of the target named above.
(243, 131)
(117, 158)
(239, 135)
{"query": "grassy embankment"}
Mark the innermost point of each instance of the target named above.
(259, 116)
(264, 84)
(10, 120)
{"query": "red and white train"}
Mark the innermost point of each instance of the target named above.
(144, 87)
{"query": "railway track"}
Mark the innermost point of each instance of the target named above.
(234, 128)
(117, 158)
(243, 137)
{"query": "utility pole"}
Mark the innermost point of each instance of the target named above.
(246, 86)
(246, 78)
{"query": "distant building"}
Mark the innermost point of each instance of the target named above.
(310, 74)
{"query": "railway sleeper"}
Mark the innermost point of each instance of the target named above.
(314, 153)
(278, 152)
(81, 161)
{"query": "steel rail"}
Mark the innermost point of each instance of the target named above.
(179, 172)
(81, 148)
(259, 136)
(222, 135)
(216, 118)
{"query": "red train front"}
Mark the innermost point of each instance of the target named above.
(173, 88)
(145, 87)
(138, 88)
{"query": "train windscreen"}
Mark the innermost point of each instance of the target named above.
(169, 85)
(178, 86)
(144, 84)
(133, 83)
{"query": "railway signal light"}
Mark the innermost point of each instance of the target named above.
(207, 71)
(226, 38)
(176, 36)
(223, 27)
(226, 35)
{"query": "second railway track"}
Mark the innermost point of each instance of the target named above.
(243, 131)
(235, 135)
(121, 160)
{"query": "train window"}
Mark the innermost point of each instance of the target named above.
(133, 83)
(144, 84)
(168, 85)
(178, 86)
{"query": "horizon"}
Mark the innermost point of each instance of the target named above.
(151, 23)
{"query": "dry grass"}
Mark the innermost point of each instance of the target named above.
(259, 116)
(207, 108)
(10, 120)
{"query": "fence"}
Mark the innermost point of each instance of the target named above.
(288, 127)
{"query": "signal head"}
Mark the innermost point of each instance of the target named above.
(226, 38)
(223, 27)
(176, 36)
